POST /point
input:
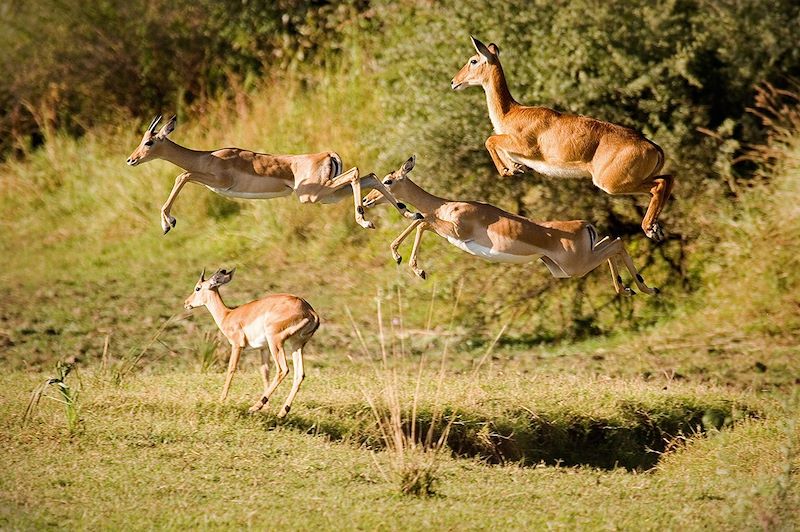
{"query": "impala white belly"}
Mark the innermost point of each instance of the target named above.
(551, 170)
(256, 335)
(251, 195)
(473, 248)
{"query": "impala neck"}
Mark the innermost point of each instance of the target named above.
(498, 97)
(412, 193)
(217, 307)
(189, 160)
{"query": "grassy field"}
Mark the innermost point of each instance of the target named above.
(686, 419)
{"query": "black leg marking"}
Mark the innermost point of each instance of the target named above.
(264, 399)
(639, 278)
(419, 216)
(423, 275)
(360, 209)
(619, 279)
(401, 206)
(287, 408)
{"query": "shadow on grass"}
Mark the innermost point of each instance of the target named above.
(635, 439)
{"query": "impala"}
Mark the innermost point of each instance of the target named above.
(568, 249)
(239, 173)
(619, 160)
(272, 321)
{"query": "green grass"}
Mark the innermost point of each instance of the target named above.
(162, 447)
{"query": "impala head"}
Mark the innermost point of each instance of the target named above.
(148, 148)
(478, 67)
(392, 181)
(202, 289)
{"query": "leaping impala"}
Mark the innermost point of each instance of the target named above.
(239, 173)
(619, 160)
(568, 249)
(273, 321)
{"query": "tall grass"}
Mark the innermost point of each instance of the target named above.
(67, 395)
(414, 454)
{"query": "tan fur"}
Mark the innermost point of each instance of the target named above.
(618, 159)
(274, 320)
(247, 174)
(568, 248)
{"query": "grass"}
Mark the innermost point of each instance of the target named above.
(161, 446)
(683, 421)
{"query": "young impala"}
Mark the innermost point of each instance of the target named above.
(618, 159)
(568, 249)
(271, 321)
(238, 173)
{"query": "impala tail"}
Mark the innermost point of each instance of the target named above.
(336, 165)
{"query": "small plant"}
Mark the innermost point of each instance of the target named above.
(207, 347)
(413, 459)
(66, 395)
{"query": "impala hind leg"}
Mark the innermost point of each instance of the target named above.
(263, 370)
(349, 178)
(637, 277)
(299, 375)
(232, 364)
(282, 369)
(660, 190)
(616, 278)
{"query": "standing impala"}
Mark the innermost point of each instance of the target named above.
(568, 249)
(274, 321)
(238, 173)
(618, 159)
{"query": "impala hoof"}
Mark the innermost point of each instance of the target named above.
(366, 225)
(166, 229)
(628, 292)
(398, 259)
(173, 221)
(654, 232)
(422, 275)
(656, 291)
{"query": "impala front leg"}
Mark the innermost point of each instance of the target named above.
(399, 240)
(498, 147)
(167, 221)
(412, 261)
(232, 363)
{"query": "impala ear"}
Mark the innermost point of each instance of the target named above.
(203, 275)
(168, 128)
(221, 277)
(482, 49)
(494, 49)
(409, 164)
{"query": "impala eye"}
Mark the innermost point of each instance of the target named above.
(197, 289)
(148, 143)
(473, 62)
(388, 182)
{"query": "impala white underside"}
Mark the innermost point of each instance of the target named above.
(473, 248)
(550, 170)
(251, 195)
